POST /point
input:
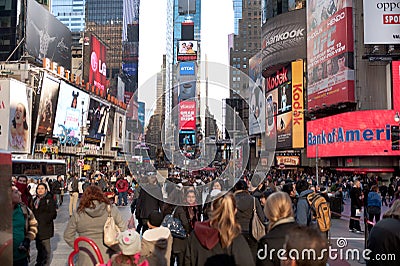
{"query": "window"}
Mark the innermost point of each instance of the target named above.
(244, 66)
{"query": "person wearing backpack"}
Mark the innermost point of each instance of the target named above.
(303, 214)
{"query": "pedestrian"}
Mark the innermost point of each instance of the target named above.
(219, 241)
(384, 190)
(55, 189)
(73, 194)
(245, 204)
(89, 220)
(24, 228)
(303, 213)
(385, 238)
(279, 212)
(22, 184)
(356, 199)
(122, 186)
(157, 241)
(374, 205)
(45, 212)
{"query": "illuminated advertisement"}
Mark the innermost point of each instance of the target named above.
(15, 116)
(141, 115)
(46, 36)
(396, 84)
(187, 51)
(283, 37)
(360, 133)
(186, 7)
(257, 98)
(329, 52)
(71, 102)
(118, 133)
(298, 104)
(98, 117)
(130, 68)
(187, 90)
(187, 115)
(48, 104)
(284, 130)
(287, 160)
(271, 108)
(98, 67)
(187, 137)
(381, 22)
(186, 68)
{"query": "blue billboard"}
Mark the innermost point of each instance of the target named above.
(130, 68)
(141, 115)
(186, 68)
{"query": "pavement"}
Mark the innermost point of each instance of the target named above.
(339, 234)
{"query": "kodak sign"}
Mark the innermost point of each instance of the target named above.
(298, 104)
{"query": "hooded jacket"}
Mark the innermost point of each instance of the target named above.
(157, 246)
(303, 211)
(90, 223)
(204, 248)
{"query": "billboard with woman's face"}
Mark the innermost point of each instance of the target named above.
(72, 101)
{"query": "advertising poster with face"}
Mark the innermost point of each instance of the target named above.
(98, 117)
(4, 113)
(284, 130)
(69, 111)
(285, 97)
(257, 98)
(271, 109)
(20, 117)
(48, 104)
(118, 134)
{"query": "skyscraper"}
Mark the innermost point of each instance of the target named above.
(70, 12)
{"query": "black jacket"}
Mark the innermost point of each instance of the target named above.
(355, 196)
(244, 214)
(204, 248)
(45, 215)
(56, 187)
(274, 239)
(150, 199)
(178, 245)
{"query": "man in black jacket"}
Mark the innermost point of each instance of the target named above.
(356, 198)
(56, 190)
(74, 194)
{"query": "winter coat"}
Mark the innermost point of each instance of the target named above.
(56, 187)
(355, 196)
(157, 246)
(90, 223)
(384, 239)
(274, 239)
(122, 185)
(45, 215)
(147, 202)
(178, 245)
(204, 248)
(303, 212)
(244, 206)
(374, 199)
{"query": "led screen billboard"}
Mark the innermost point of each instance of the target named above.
(142, 115)
(271, 109)
(71, 102)
(187, 50)
(187, 137)
(187, 90)
(257, 97)
(48, 104)
(329, 52)
(187, 115)
(98, 67)
(98, 120)
(118, 133)
(381, 22)
(187, 68)
(284, 130)
(360, 133)
(46, 36)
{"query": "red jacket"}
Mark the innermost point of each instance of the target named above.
(122, 185)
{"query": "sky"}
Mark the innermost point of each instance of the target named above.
(217, 23)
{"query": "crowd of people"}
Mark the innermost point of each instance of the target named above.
(215, 215)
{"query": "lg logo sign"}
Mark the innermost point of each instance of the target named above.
(97, 64)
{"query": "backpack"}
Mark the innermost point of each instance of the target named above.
(320, 210)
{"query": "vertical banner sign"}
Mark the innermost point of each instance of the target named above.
(297, 104)
(98, 68)
(396, 84)
(187, 115)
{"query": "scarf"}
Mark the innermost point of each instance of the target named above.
(23, 188)
(37, 200)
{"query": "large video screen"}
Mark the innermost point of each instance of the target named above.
(187, 50)
(48, 104)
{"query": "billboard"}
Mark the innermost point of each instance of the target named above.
(187, 50)
(298, 104)
(360, 133)
(288, 160)
(71, 103)
(271, 109)
(98, 118)
(330, 47)
(130, 68)
(187, 68)
(4, 112)
(118, 133)
(187, 90)
(48, 104)
(284, 38)
(98, 67)
(187, 115)
(19, 133)
(381, 22)
(141, 115)
(46, 36)
(396, 84)
(186, 7)
(284, 130)
(187, 137)
(257, 98)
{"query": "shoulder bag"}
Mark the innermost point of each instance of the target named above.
(111, 230)
(174, 225)
(257, 227)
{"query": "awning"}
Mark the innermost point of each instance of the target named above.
(366, 170)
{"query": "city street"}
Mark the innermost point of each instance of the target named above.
(61, 250)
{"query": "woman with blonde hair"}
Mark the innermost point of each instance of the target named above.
(279, 211)
(219, 241)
